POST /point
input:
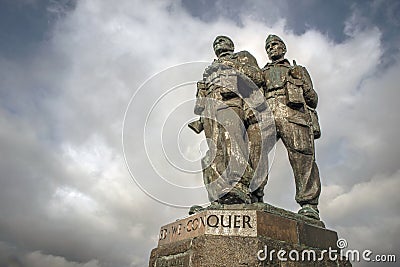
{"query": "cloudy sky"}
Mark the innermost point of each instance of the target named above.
(76, 76)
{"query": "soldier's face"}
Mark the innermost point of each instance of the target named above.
(275, 50)
(222, 45)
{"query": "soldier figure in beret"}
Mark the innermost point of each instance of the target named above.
(290, 96)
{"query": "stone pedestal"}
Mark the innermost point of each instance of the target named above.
(246, 235)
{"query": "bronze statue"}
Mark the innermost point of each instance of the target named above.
(290, 95)
(227, 103)
(240, 132)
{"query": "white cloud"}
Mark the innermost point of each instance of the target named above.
(38, 259)
(367, 214)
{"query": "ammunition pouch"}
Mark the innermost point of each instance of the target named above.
(294, 92)
(300, 138)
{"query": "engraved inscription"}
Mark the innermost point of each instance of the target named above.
(211, 222)
(232, 223)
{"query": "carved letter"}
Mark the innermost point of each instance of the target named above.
(236, 223)
(179, 229)
(188, 228)
(216, 222)
(194, 227)
(229, 221)
(246, 220)
(163, 234)
(174, 229)
(202, 221)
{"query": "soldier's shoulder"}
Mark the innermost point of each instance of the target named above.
(303, 68)
(213, 63)
(267, 66)
(210, 67)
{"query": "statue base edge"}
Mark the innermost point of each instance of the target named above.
(232, 235)
(217, 251)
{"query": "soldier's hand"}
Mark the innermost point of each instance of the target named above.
(296, 72)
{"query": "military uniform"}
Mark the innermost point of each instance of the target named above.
(225, 99)
(291, 98)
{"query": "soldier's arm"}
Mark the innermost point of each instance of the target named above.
(250, 68)
(310, 96)
(199, 107)
(200, 95)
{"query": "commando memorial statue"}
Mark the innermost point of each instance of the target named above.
(243, 111)
(238, 131)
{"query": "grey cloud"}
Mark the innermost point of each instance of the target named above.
(26, 24)
(328, 18)
(37, 259)
(300, 16)
(12, 258)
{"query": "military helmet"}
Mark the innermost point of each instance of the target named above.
(273, 37)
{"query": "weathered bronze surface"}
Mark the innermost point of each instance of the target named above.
(243, 112)
(290, 95)
(229, 101)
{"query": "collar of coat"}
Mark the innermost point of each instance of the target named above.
(283, 62)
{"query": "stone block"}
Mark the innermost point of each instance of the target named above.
(242, 235)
